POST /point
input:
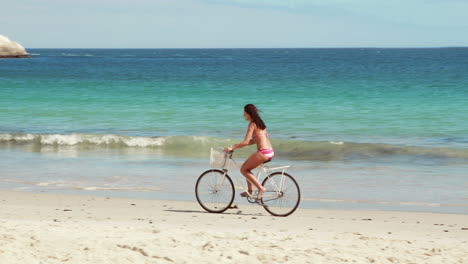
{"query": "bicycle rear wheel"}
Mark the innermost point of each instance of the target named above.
(282, 195)
(214, 191)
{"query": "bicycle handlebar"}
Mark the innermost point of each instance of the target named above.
(229, 153)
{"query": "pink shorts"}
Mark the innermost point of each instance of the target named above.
(269, 153)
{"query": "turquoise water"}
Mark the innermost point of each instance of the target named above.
(364, 128)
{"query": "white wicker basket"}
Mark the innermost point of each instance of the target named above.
(217, 158)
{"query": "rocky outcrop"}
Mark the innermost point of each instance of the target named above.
(11, 49)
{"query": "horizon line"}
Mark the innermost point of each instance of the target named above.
(363, 47)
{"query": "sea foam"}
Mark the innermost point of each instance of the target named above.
(198, 146)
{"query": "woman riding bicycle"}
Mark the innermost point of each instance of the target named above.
(256, 134)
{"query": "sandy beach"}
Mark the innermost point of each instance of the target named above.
(57, 228)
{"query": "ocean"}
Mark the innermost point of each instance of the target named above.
(363, 128)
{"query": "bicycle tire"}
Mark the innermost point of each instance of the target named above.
(284, 202)
(213, 193)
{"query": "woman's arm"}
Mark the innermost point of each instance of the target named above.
(248, 140)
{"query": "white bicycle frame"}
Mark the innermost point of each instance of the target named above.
(230, 162)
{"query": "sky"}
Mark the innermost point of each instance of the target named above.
(235, 23)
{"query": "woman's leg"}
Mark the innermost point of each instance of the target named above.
(251, 163)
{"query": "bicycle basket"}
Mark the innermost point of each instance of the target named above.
(217, 158)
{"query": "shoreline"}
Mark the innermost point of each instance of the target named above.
(130, 173)
(57, 228)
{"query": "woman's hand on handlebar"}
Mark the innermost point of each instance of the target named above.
(229, 149)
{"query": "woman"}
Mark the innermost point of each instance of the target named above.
(256, 134)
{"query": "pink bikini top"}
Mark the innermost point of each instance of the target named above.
(266, 134)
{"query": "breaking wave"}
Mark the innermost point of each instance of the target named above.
(198, 146)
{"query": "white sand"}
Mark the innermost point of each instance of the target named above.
(48, 228)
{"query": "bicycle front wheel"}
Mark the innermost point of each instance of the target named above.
(282, 195)
(214, 191)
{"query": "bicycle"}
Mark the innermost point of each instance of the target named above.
(215, 190)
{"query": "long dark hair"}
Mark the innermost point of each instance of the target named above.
(253, 113)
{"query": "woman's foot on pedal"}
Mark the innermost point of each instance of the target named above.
(246, 194)
(260, 193)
